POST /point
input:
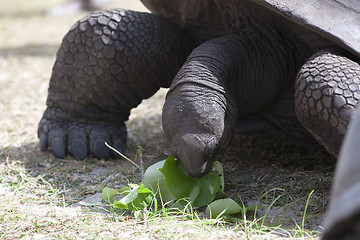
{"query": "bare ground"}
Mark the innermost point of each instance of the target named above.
(42, 197)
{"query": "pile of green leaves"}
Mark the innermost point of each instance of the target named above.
(168, 181)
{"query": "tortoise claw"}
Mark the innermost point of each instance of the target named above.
(79, 149)
(58, 147)
(97, 144)
(82, 138)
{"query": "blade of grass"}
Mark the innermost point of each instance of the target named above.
(304, 214)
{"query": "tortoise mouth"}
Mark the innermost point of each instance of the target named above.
(199, 171)
(196, 152)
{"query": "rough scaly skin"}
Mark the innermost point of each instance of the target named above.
(107, 64)
(327, 93)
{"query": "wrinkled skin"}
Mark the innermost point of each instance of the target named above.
(251, 70)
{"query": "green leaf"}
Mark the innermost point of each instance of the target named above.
(217, 168)
(194, 193)
(125, 190)
(138, 198)
(209, 186)
(178, 182)
(153, 176)
(200, 191)
(223, 207)
(155, 180)
(108, 194)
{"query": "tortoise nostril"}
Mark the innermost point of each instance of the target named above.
(211, 147)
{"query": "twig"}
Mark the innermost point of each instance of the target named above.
(122, 155)
(144, 213)
(9, 164)
(139, 156)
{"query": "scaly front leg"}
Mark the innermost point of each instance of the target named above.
(327, 92)
(107, 64)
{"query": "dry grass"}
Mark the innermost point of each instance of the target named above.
(40, 195)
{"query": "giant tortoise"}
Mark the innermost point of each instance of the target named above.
(290, 67)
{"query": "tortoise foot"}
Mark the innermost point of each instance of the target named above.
(81, 137)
